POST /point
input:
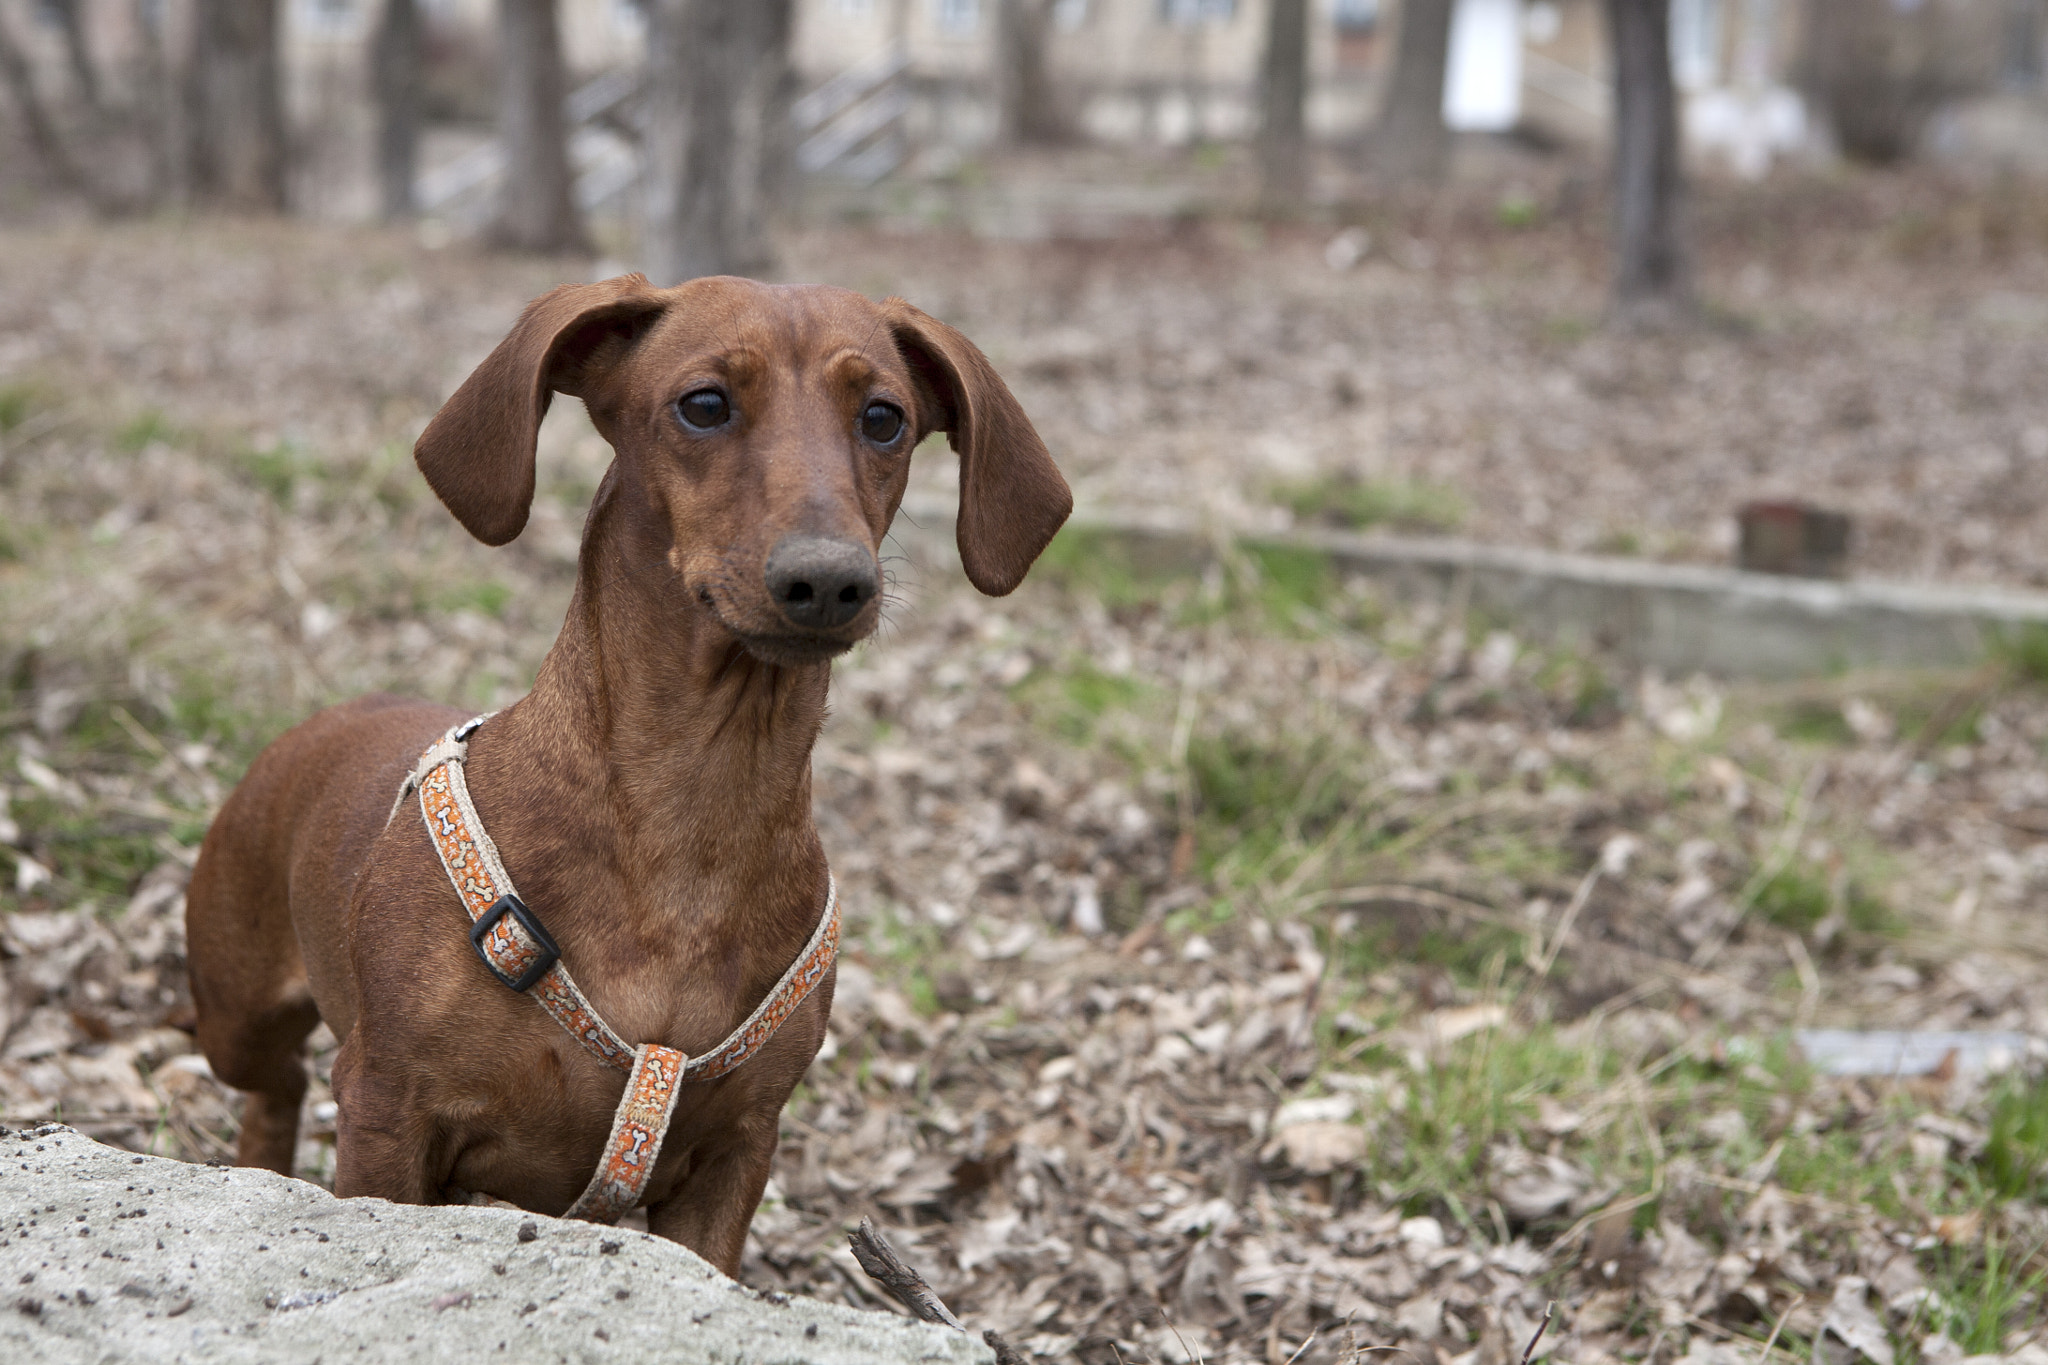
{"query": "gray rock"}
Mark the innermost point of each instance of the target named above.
(106, 1256)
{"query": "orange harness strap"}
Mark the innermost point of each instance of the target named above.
(520, 953)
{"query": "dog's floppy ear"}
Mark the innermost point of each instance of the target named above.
(477, 453)
(1012, 498)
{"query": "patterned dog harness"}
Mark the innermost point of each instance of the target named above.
(519, 952)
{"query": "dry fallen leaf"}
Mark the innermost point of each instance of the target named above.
(1318, 1148)
(1851, 1328)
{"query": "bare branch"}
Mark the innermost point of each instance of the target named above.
(908, 1287)
(882, 1263)
(1549, 1311)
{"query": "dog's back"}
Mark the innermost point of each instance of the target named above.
(269, 889)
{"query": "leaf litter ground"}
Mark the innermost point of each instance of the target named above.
(1240, 966)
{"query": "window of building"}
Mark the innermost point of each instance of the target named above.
(1695, 42)
(1355, 16)
(328, 18)
(1188, 13)
(957, 18)
(2026, 35)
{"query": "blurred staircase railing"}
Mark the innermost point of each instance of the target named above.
(598, 112)
(852, 126)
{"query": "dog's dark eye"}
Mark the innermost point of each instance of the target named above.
(882, 423)
(704, 409)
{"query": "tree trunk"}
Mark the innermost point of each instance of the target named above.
(717, 135)
(1283, 98)
(19, 75)
(397, 70)
(1029, 109)
(78, 51)
(1411, 142)
(1879, 70)
(537, 210)
(1649, 260)
(164, 117)
(235, 121)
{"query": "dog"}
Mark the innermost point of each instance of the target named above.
(651, 796)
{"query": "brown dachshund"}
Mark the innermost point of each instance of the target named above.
(651, 796)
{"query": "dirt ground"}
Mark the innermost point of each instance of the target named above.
(1240, 967)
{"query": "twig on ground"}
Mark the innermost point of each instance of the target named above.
(908, 1287)
(1715, 1329)
(882, 1263)
(1549, 1311)
(1797, 1299)
(1301, 1348)
(1776, 861)
(1546, 955)
(1006, 1354)
(1809, 979)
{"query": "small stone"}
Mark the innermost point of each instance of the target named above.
(609, 1248)
(528, 1230)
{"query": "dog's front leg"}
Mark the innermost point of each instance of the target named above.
(711, 1210)
(383, 1144)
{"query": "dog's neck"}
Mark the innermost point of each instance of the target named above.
(698, 753)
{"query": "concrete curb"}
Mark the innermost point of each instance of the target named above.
(112, 1257)
(1681, 618)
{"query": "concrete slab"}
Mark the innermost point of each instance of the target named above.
(1680, 618)
(106, 1256)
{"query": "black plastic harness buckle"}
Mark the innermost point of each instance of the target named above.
(525, 918)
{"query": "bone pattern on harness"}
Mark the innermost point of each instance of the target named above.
(654, 1073)
(635, 1140)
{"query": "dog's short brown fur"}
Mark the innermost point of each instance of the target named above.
(651, 796)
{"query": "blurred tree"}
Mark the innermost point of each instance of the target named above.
(537, 209)
(1028, 104)
(1283, 99)
(717, 138)
(71, 21)
(1879, 69)
(1411, 141)
(397, 78)
(156, 101)
(235, 125)
(19, 74)
(1651, 281)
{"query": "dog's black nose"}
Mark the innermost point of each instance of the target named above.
(821, 583)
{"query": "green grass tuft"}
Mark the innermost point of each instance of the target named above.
(145, 429)
(2025, 652)
(1986, 1294)
(16, 402)
(278, 470)
(2015, 1159)
(1800, 897)
(1114, 567)
(1073, 701)
(1358, 504)
(1517, 211)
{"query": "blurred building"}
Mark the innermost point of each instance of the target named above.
(889, 83)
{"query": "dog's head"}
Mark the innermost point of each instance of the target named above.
(767, 429)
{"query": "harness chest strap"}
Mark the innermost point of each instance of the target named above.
(520, 953)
